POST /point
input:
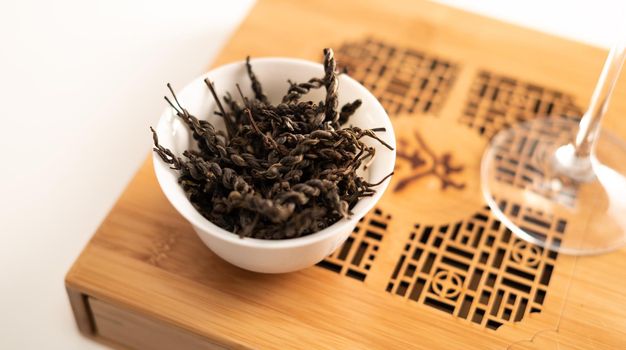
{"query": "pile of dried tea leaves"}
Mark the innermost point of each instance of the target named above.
(279, 171)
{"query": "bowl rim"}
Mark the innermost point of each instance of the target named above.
(208, 227)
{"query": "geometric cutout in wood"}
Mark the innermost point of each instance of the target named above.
(476, 270)
(357, 255)
(403, 79)
(496, 101)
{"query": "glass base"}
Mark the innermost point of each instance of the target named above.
(532, 164)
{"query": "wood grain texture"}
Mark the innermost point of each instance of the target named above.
(429, 267)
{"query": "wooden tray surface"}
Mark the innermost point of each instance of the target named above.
(430, 266)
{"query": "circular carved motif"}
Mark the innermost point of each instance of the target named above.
(447, 284)
(526, 254)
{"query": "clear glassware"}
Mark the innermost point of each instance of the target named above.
(567, 167)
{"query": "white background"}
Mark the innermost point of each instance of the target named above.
(79, 84)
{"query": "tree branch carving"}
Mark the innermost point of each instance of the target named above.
(441, 166)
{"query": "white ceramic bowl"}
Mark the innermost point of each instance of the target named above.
(271, 256)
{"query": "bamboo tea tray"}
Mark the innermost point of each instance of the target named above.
(430, 267)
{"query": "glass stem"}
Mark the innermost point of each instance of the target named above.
(590, 122)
